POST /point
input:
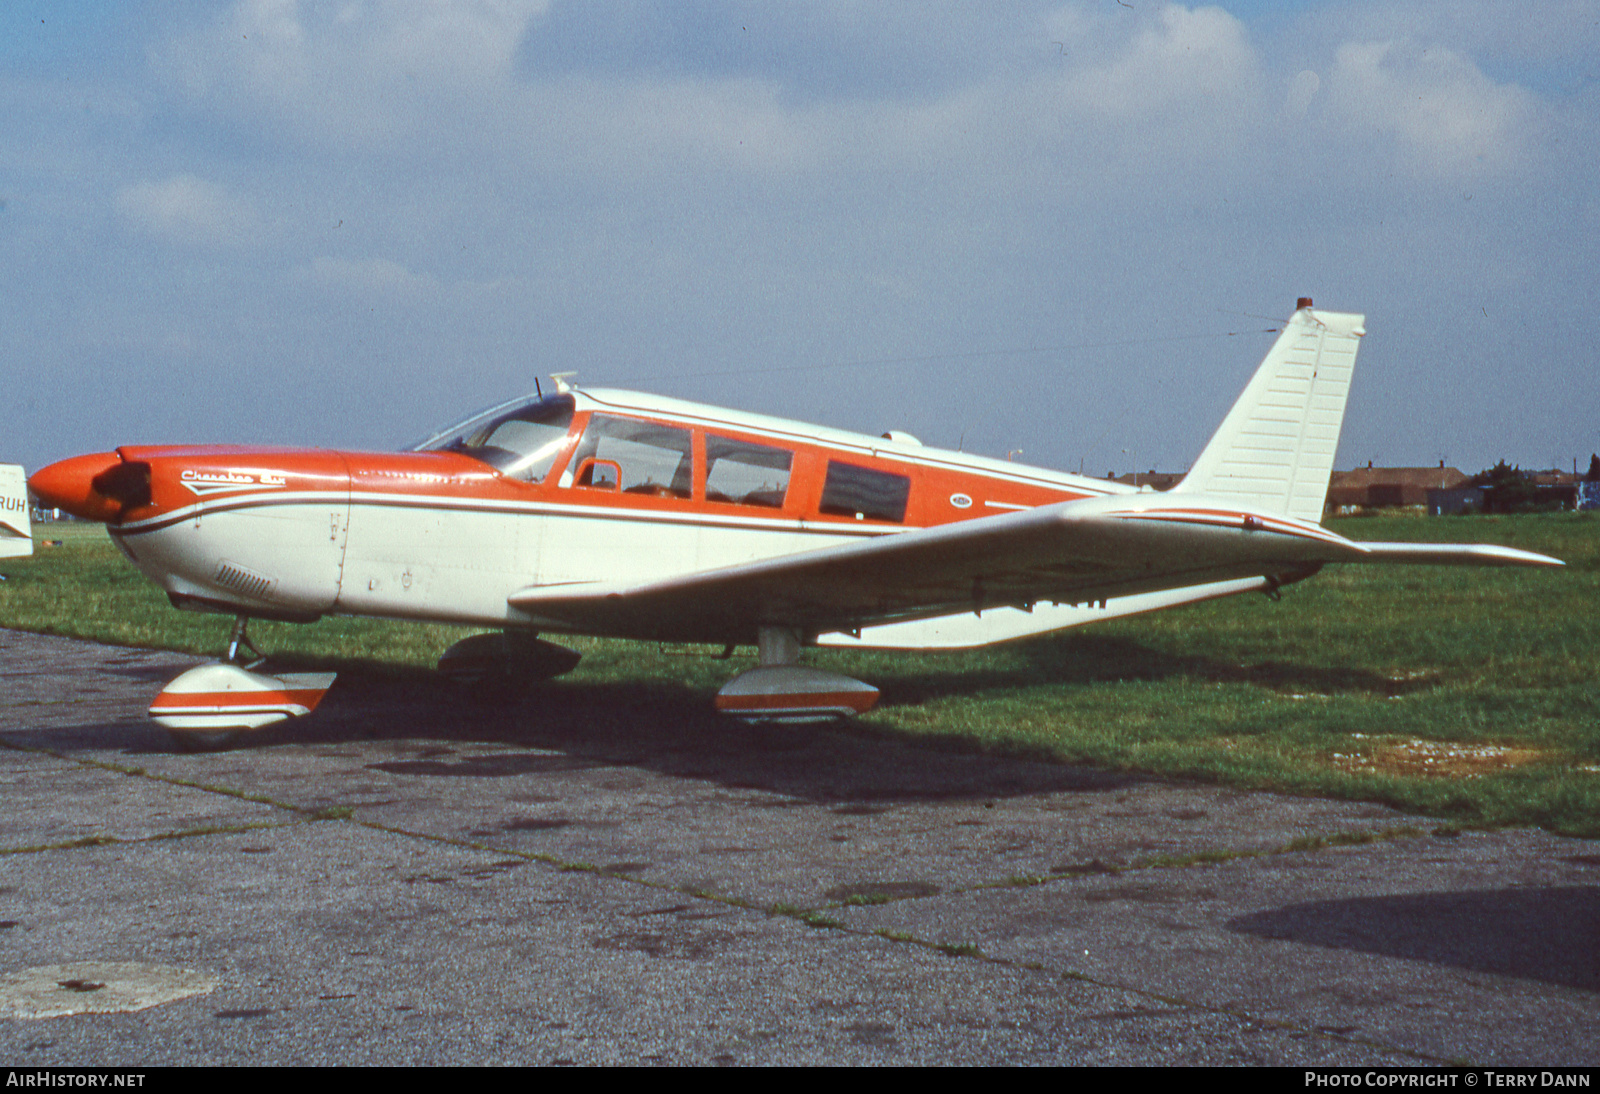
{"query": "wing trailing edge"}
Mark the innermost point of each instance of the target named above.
(991, 579)
(1099, 551)
(970, 630)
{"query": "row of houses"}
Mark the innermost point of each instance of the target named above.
(1440, 490)
(1445, 491)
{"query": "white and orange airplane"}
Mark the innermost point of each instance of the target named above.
(603, 512)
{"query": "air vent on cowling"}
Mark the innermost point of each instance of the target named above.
(237, 579)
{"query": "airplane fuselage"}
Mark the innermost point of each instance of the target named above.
(669, 488)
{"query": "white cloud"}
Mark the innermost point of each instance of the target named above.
(379, 277)
(1302, 89)
(1188, 62)
(1545, 33)
(1057, 170)
(712, 123)
(189, 210)
(1179, 85)
(385, 281)
(1447, 117)
(360, 71)
(439, 79)
(1136, 92)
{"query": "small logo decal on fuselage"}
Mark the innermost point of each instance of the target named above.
(220, 482)
(961, 501)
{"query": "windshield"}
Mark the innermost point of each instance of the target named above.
(520, 438)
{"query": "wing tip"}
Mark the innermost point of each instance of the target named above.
(1457, 554)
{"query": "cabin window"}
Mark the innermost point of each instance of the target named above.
(742, 473)
(649, 459)
(520, 439)
(864, 493)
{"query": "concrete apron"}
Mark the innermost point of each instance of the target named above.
(589, 876)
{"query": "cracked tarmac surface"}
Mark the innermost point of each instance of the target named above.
(578, 875)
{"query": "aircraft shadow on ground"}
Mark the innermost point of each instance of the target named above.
(670, 726)
(1545, 934)
(1082, 660)
(157, 674)
(662, 727)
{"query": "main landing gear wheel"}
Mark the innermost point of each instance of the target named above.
(505, 660)
(222, 704)
(202, 740)
(780, 690)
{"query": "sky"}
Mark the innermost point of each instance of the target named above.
(1059, 231)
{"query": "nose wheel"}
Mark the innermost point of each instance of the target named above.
(221, 704)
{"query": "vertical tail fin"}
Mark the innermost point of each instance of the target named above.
(1275, 449)
(16, 532)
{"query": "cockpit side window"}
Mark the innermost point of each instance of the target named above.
(521, 440)
(655, 460)
(742, 473)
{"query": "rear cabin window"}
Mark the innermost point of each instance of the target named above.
(634, 457)
(864, 493)
(742, 473)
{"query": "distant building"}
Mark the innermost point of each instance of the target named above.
(1155, 480)
(1442, 491)
(1454, 501)
(1372, 487)
(1557, 489)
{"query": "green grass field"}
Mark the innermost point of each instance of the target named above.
(1470, 694)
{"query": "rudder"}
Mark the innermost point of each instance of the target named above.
(1275, 449)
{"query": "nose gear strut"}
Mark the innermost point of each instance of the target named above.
(240, 638)
(222, 703)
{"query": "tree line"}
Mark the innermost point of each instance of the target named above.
(1509, 489)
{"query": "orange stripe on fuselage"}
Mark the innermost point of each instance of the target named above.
(448, 479)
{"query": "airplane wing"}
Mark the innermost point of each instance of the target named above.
(1081, 552)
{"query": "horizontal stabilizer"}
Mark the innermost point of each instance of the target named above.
(1453, 554)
